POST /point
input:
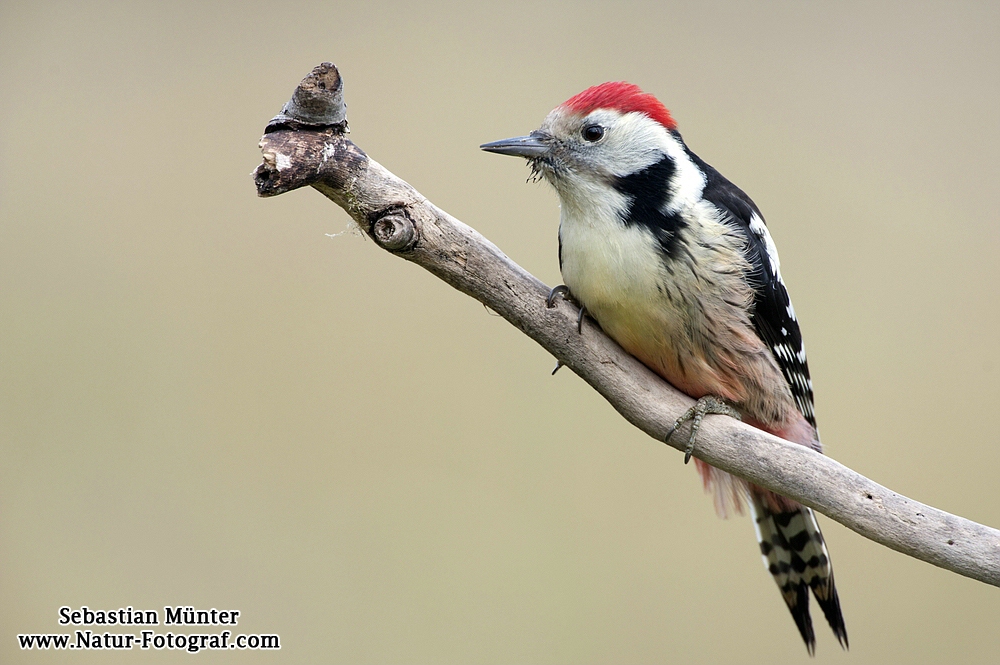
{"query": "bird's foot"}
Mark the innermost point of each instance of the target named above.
(562, 289)
(706, 405)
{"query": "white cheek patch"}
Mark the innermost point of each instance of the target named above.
(632, 142)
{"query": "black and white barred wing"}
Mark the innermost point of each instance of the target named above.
(773, 315)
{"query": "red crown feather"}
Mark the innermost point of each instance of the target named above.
(623, 97)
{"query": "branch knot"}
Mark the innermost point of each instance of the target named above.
(395, 232)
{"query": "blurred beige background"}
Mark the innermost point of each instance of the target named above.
(204, 400)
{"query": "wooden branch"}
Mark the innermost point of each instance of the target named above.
(306, 145)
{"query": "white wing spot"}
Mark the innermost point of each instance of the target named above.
(760, 230)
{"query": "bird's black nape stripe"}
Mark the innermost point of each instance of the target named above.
(647, 191)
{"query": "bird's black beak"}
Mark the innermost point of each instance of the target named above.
(530, 146)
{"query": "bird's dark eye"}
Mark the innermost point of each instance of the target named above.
(593, 133)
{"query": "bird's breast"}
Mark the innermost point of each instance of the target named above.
(674, 313)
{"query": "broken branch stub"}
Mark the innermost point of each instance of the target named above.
(318, 101)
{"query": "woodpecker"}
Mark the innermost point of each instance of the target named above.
(675, 263)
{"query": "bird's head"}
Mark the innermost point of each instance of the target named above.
(596, 138)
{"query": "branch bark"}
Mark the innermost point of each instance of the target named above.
(306, 145)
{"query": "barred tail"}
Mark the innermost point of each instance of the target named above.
(795, 554)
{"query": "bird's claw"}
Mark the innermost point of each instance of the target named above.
(550, 302)
(706, 405)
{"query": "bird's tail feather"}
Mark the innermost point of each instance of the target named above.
(795, 553)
